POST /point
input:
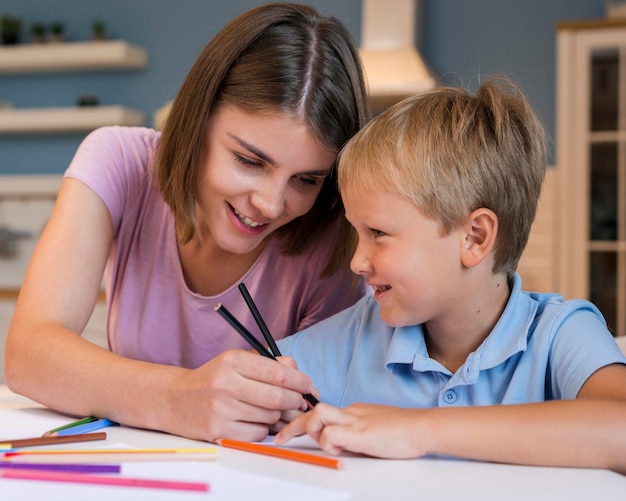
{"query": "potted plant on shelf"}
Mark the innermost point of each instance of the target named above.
(57, 30)
(37, 32)
(11, 29)
(98, 30)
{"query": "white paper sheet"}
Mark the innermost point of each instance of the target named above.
(225, 483)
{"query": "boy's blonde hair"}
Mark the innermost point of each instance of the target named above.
(451, 152)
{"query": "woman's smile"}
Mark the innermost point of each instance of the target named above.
(247, 224)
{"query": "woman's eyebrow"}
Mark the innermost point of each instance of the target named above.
(266, 158)
(253, 149)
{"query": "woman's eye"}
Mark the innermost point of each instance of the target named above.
(247, 161)
(377, 233)
(310, 181)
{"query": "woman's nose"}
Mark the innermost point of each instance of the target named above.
(269, 199)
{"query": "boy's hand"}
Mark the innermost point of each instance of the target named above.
(375, 430)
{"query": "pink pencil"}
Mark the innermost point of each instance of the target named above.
(83, 478)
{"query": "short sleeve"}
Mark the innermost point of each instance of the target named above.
(581, 346)
(114, 161)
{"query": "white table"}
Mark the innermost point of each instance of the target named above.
(235, 474)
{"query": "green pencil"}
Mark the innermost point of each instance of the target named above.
(84, 420)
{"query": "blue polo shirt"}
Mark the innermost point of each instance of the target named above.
(542, 348)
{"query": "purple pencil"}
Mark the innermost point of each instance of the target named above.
(75, 468)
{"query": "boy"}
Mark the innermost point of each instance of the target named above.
(442, 190)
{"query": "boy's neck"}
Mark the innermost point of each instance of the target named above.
(451, 340)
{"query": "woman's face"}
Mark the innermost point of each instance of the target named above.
(259, 172)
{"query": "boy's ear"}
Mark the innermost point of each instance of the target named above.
(479, 236)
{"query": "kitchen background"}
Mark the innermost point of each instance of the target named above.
(461, 41)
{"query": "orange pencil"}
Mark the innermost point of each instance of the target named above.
(303, 457)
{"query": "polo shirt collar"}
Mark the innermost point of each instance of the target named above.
(508, 337)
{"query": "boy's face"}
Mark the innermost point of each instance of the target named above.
(401, 253)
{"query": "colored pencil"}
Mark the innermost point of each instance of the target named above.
(76, 468)
(84, 420)
(245, 333)
(259, 320)
(85, 478)
(85, 428)
(107, 456)
(278, 452)
(252, 341)
(52, 440)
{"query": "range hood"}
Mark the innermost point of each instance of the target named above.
(393, 67)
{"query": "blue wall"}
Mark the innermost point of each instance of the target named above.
(462, 40)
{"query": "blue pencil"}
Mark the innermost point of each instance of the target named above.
(86, 428)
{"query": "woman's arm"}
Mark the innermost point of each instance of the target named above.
(587, 432)
(237, 394)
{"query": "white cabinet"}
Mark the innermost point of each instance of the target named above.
(67, 57)
(591, 155)
(26, 203)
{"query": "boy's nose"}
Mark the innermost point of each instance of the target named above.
(360, 263)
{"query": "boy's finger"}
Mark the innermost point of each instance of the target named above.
(294, 429)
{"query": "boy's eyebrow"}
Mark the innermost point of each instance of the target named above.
(266, 158)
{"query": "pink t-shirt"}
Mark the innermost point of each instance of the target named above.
(152, 315)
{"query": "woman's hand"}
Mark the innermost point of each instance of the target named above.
(238, 394)
(289, 415)
(375, 430)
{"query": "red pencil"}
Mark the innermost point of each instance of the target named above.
(278, 452)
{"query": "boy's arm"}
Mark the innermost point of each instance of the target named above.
(587, 432)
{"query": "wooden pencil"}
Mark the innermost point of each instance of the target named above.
(312, 400)
(107, 456)
(279, 452)
(259, 320)
(51, 440)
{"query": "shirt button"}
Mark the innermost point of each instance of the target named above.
(449, 397)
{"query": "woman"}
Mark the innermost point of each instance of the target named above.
(240, 187)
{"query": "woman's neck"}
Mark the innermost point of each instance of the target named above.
(209, 270)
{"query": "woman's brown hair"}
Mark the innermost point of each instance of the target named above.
(277, 57)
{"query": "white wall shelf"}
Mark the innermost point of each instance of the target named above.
(66, 120)
(71, 56)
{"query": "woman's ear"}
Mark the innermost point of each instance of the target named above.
(478, 236)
